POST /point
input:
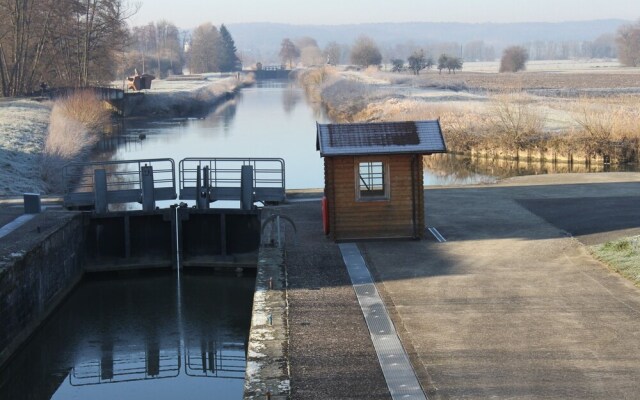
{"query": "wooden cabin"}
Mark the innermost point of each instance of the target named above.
(373, 176)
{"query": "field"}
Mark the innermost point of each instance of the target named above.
(558, 109)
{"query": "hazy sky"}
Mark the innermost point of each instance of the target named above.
(190, 13)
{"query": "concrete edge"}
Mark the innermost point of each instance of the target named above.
(424, 378)
(46, 309)
(267, 374)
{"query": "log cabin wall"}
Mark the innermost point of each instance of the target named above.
(399, 215)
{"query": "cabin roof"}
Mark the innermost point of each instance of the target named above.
(411, 137)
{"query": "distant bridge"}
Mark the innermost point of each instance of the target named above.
(115, 97)
(272, 72)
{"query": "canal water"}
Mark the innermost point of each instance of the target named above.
(153, 336)
(139, 337)
(273, 119)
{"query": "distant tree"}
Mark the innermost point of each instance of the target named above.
(477, 50)
(418, 61)
(227, 58)
(305, 41)
(450, 63)
(310, 53)
(332, 53)
(365, 52)
(204, 48)
(170, 50)
(288, 52)
(429, 63)
(603, 47)
(628, 41)
(454, 63)
(442, 62)
(397, 65)
(514, 59)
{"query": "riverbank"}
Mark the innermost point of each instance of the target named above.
(577, 116)
(24, 125)
(181, 98)
(23, 133)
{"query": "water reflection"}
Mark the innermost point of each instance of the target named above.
(291, 96)
(267, 120)
(452, 169)
(274, 119)
(139, 337)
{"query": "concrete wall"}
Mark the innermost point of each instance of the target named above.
(39, 265)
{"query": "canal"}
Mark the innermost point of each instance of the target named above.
(157, 336)
(274, 119)
(139, 336)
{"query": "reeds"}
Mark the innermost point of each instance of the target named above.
(509, 123)
(73, 131)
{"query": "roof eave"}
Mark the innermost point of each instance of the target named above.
(385, 153)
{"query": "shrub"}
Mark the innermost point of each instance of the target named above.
(73, 126)
(514, 59)
(86, 108)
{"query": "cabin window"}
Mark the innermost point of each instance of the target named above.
(372, 181)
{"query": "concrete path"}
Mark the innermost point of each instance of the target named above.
(511, 306)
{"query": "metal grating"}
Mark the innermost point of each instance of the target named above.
(397, 370)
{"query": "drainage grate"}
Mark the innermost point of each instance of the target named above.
(397, 370)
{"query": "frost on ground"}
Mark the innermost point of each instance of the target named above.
(24, 125)
(182, 98)
(23, 129)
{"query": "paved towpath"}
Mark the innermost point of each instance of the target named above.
(511, 306)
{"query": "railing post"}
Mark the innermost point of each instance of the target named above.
(100, 190)
(246, 187)
(204, 192)
(148, 197)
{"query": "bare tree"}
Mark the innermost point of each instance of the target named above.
(628, 41)
(332, 53)
(203, 49)
(442, 62)
(24, 35)
(101, 31)
(397, 65)
(514, 59)
(288, 52)
(418, 61)
(515, 121)
(365, 52)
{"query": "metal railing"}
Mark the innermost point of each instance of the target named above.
(99, 184)
(216, 360)
(221, 178)
(127, 366)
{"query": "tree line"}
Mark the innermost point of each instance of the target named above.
(624, 44)
(80, 43)
(66, 42)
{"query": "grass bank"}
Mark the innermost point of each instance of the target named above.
(23, 131)
(622, 256)
(179, 99)
(37, 139)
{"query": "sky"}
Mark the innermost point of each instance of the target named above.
(191, 13)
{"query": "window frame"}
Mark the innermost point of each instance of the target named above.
(386, 192)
